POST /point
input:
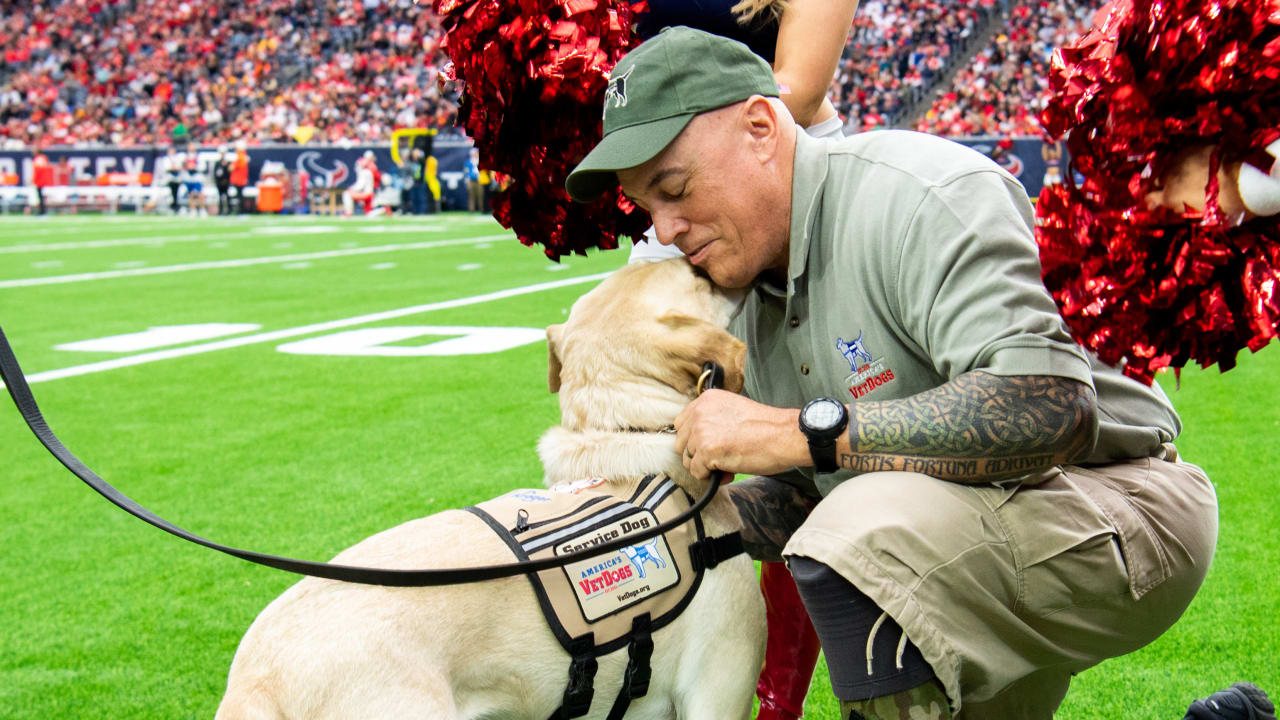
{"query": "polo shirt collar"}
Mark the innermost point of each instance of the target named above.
(809, 175)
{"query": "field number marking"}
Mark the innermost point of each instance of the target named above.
(274, 335)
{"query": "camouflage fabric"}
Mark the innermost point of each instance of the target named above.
(926, 702)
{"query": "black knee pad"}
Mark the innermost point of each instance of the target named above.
(868, 655)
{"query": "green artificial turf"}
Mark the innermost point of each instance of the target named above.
(107, 617)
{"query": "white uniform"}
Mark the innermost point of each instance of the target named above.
(1260, 190)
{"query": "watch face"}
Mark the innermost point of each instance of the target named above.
(823, 414)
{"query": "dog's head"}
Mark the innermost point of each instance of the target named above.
(630, 354)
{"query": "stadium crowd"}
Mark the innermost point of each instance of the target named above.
(140, 72)
(129, 72)
(1003, 90)
(898, 49)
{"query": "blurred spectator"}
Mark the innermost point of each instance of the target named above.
(418, 194)
(404, 183)
(475, 188)
(169, 172)
(42, 176)
(364, 189)
(1051, 153)
(193, 177)
(240, 175)
(222, 180)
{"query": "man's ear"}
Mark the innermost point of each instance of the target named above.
(761, 121)
(554, 334)
(689, 342)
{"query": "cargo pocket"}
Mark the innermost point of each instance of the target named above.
(1066, 549)
(1146, 561)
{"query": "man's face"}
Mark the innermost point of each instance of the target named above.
(710, 195)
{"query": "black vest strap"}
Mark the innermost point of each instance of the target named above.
(635, 681)
(582, 677)
(710, 552)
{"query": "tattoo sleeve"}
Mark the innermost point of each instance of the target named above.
(771, 511)
(978, 427)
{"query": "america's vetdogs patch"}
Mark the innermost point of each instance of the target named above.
(608, 583)
(866, 372)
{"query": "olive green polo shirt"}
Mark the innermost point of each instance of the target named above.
(912, 261)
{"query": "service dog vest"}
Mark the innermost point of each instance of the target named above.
(607, 602)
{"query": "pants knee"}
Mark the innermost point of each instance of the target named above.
(868, 653)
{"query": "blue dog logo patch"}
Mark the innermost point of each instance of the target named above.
(853, 352)
(647, 552)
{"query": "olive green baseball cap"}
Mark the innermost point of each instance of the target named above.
(655, 90)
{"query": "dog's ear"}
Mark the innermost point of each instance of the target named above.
(691, 342)
(554, 334)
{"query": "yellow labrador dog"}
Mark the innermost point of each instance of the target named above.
(625, 363)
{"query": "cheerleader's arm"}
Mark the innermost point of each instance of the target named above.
(811, 36)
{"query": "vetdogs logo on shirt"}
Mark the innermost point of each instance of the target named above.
(866, 373)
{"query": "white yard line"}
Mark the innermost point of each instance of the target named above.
(244, 262)
(117, 242)
(274, 335)
(38, 229)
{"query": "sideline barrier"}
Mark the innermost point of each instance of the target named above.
(1024, 160)
(333, 166)
(324, 165)
(103, 198)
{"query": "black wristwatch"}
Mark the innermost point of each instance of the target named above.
(822, 420)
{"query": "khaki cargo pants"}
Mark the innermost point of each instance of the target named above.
(1009, 590)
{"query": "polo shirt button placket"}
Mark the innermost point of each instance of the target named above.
(795, 322)
(804, 369)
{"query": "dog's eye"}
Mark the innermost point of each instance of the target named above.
(701, 273)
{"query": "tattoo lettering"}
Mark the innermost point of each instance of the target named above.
(771, 511)
(867, 463)
(1017, 465)
(978, 427)
(941, 467)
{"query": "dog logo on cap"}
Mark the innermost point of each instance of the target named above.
(617, 90)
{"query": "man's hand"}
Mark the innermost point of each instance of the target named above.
(723, 431)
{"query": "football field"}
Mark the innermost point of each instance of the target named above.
(292, 385)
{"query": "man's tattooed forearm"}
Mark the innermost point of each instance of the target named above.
(771, 510)
(976, 427)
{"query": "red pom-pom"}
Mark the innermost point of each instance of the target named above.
(1150, 81)
(533, 75)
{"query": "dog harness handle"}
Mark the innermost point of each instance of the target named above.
(16, 383)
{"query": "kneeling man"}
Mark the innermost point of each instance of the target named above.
(998, 510)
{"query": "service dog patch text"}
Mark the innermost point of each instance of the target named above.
(613, 581)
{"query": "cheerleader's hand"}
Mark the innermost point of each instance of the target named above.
(1184, 186)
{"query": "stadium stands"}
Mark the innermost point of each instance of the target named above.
(1002, 91)
(131, 72)
(898, 50)
(143, 72)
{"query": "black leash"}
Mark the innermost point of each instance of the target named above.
(16, 383)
